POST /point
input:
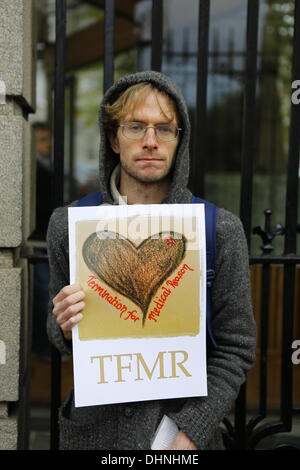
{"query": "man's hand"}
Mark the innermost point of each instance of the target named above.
(181, 442)
(67, 307)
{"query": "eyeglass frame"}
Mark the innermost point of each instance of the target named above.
(149, 127)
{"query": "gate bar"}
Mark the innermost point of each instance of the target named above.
(283, 259)
(58, 193)
(109, 33)
(157, 35)
(248, 135)
(264, 337)
(198, 162)
(59, 95)
(248, 132)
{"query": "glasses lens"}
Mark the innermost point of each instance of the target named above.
(166, 131)
(134, 130)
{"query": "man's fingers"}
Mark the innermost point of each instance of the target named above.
(67, 305)
(67, 302)
(68, 325)
(70, 312)
(181, 442)
(66, 291)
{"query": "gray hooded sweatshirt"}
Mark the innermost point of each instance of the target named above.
(132, 425)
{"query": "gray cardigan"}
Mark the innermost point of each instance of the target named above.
(132, 425)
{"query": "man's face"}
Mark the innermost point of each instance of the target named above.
(148, 159)
(43, 142)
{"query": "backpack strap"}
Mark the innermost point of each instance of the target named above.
(210, 234)
(95, 199)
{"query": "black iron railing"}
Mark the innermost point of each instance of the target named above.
(240, 434)
(157, 35)
(58, 188)
(198, 163)
(109, 31)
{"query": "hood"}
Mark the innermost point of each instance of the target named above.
(178, 192)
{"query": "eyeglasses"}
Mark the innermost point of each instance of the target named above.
(137, 130)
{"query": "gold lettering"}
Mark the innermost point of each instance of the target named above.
(101, 363)
(178, 358)
(120, 367)
(179, 364)
(141, 360)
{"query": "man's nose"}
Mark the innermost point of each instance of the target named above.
(150, 139)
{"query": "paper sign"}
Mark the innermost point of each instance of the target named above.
(143, 270)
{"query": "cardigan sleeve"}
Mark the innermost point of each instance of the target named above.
(234, 331)
(58, 254)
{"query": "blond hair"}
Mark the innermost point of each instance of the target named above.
(126, 103)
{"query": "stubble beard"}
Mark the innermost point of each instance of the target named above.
(145, 179)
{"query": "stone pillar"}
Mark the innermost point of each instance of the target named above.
(17, 100)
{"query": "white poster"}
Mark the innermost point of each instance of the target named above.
(143, 271)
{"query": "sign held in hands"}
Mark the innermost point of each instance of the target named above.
(144, 319)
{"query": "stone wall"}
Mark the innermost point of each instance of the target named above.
(17, 78)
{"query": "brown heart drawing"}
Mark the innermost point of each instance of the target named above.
(134, 271)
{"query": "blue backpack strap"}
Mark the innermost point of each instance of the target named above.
(93, 199)
(210, 233)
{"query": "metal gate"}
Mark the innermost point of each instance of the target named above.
(242, 433)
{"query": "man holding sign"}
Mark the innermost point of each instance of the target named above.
(144, 159)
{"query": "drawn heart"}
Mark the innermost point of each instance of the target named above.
(134, 271)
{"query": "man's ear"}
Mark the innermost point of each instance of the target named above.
(114, 143)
